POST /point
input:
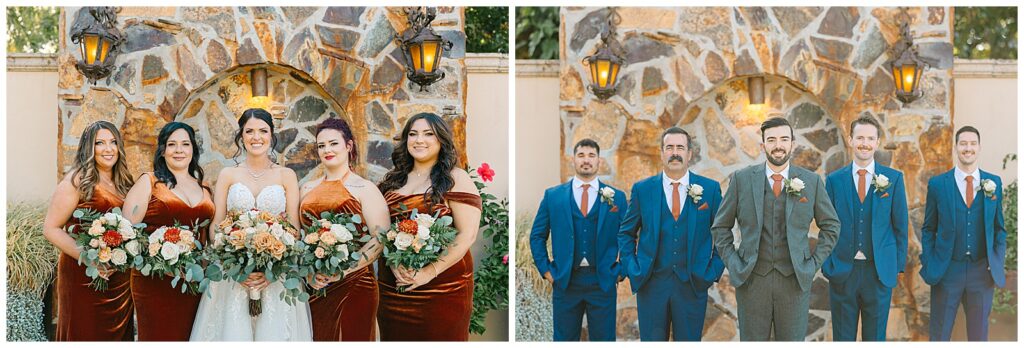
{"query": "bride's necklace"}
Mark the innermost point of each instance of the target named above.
(256, 175)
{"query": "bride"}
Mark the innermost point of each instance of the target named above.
(258, 183)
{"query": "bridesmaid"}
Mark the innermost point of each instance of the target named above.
(173, 192)
(438, 301)
(349, 310)
(98, 180)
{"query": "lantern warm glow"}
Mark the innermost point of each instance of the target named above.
(95, 31)
(422, 48)
(906, 67)
(604, 65)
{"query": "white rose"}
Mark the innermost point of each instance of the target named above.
(287, 239)
(218, 241)
(96, 229)
(110, 218)
(170, 251)
(341, 233)
(403, 240)
(696, 190)
(424, 220)
(133, 247)
(797, 184)
(423, 233)
(95, 243)
(881, 180)
(607, 192)
(118, 257)
(262, 228)
(158, 235)
(343, 251)
(989, 185)
(243, 221)
(249, 231)
(126, 229)
(277, 230)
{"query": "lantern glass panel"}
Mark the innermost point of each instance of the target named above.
(90, 43)
(593, 70)
(104, 50)
(603, 69)
(909, 75)
(430, 53)
(614, 74)
(416, 52)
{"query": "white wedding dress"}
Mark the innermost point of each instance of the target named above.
(223, 313)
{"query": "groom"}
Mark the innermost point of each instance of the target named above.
(774, 264)
(666, 244)
(582, 217)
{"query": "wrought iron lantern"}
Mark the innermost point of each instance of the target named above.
(422, 47)
(905, 65)
(258, 79)
(606, 63)
(95, 31)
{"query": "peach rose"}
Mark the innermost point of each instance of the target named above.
(104, 255)
(328, 239)
(311, 238)
(277, 249)
(154, 249)
(263, 241)
(319, 253)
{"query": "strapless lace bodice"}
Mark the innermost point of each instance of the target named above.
(270, 199)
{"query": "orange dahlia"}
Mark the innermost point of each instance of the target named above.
(112, 238)
(172, 235)
(408, 226)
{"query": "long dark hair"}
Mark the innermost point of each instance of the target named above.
(441, 180)
(346, 134)
(264, 116)
(160, 170)
(85, 174)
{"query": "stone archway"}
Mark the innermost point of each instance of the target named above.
(687, 66)
(342, 59)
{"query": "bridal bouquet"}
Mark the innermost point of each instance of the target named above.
(256, 241)
(104, 244)
(171, 250)
(417, 241)
(331, 245)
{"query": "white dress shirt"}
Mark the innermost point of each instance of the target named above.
(867, 177)
(684, 185)
(577, 193)
(961, 181)
(768, 172)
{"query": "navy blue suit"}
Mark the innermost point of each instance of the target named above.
(579, 290)
(958, 264)
(669, 295)
(878, 228)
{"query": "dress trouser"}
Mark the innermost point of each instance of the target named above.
(969, 283)
(772, 303)
(861, 297)
(667, 303)
(582, 297)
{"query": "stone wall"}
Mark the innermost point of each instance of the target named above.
(687, 67)
(192, 64)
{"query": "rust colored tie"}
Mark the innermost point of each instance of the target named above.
(585, 199)
(777, 185)
(970, 191)
(675, 201)
(861, 184)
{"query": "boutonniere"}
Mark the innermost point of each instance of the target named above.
(989, 187)
(794, 186)
(608, 196)
(881, 183)
(695, 191)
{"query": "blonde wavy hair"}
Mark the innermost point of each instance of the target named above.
(85, 174)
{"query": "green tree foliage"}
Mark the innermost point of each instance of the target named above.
(32, 29)
(537, 32)
(487, 29)
(985, 32)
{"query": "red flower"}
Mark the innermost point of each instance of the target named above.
(504, 260)
(408, 226)
(112, 238)
(485, 171)
(172, 235)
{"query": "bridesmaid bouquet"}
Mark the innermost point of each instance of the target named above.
(257, 241)
(418, 241)
(172, 250)
(105, 243)
(331, 245)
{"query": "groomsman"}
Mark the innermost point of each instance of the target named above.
(963, 241)
(582, 217)
(872, 247)
(774, 265)
(666, 244)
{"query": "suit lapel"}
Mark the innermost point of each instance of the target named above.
(690, 210)
(571, 203)
(655, 198)
(988, 211)
(952, 193)
(791, 199)
(600, 208)
(848, 189)
(876, 203)
(758, 179)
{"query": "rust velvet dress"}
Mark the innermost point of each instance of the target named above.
(164, 313)
(84, 314)
(436, 311)
(349, 310)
